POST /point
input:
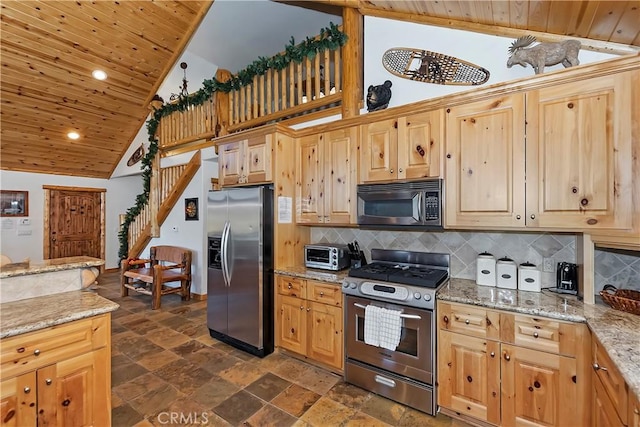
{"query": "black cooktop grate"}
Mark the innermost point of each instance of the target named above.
(423, 276)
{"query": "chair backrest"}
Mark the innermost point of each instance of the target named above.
(172, 254)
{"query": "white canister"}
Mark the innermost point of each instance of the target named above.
(486, 269)
(528, 277)
(506, 273)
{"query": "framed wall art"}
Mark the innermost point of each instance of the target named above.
(14, 203)
(191, 209)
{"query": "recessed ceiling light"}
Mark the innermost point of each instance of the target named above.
(99, 75)
(73, 135)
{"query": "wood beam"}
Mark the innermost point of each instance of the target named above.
(352, 64)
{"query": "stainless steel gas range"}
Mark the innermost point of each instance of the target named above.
(404, 284)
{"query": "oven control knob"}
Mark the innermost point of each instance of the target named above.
(416, 295)
(427, 297)
(345, 285)
(353, 285)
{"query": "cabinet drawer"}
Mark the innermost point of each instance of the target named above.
(469, 320)
(324, 293)
(33, 350)
(292, 286)
(537, 333)
(612, 381)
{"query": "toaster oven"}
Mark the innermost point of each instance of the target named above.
(327, 256)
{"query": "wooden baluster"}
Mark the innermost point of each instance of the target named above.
(298, 82)
(270, 98)
(327, 72)
(256, 90)
(316, 69)
(307, 79)
(261, 100)
(292, 86)
(336, 70)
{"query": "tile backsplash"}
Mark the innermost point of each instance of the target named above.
(464, 246)
(618, 268)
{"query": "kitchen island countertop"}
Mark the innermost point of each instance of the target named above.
(618, 331)
(28, 315)
(49, 265)
(335, 277)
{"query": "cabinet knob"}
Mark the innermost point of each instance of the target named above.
(597, 367)
(390, 170)
(308, 310)
(518, 217)
(466, 321)
(492, 354)
(66, 402)
(48, 381)
(301, 308)
(533, 216)
(507, 357)
(584, 202)
(36, 352)
(448, 156)
(321, 294)
(27, 390)
(535, 335)
(400, 170)
(289, 286)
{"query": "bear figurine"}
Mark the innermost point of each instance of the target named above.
(378, 97)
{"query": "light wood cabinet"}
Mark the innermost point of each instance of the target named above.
(326, 173)
(309, 319)
(248, 161)
(634, 410)
(610, 393)
(509, 369)
(408, 147)
(570, 142)
(58, 376)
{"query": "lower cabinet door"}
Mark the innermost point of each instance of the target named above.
(539, 388)
(81, 389)
(604, 413)
(18, 401)
(469, 376)
(325, 334)
(292, 324)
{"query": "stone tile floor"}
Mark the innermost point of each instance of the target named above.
(167, 370)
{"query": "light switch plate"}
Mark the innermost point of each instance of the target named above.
(24, 221)
(27, 232)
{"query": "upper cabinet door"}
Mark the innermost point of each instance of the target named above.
(340, 175)
(420, 139)
(579, 154)
(485, 164)
(231, 162)
(258, 159)
(378, 149)
(309, 176)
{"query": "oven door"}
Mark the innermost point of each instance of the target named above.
(402, 207)
(413, 357)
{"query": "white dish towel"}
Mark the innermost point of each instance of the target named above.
(390, 328)
(372, 325)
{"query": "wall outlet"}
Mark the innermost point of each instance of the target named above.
(24, 221)
(548, 265)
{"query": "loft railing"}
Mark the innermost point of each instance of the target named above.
(310, 85)
(196, 122)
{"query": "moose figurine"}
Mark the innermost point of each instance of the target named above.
(543, 54)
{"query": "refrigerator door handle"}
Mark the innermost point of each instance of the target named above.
(224, 252)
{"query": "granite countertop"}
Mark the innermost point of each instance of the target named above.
(314, 274)
(618, 331)
(28, 315)
(48, 265)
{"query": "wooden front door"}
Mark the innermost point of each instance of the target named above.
(75, 221)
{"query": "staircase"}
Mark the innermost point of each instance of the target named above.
(166, 188)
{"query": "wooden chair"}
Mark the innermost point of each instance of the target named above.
(166, 264)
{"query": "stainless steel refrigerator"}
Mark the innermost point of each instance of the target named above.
(240, 268)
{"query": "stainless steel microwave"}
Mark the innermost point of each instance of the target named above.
(401, 205)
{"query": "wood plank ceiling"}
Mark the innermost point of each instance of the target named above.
(48, 52)
(49, 49)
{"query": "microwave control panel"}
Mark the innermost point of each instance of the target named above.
(431, 205)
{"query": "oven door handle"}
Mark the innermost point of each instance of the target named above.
(402, 315)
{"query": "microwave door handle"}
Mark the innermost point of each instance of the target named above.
(420, 207)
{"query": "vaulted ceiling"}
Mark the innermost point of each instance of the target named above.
(49, 49)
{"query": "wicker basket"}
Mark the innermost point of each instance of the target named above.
(621, 299)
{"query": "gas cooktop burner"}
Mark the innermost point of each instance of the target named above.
(401, 273)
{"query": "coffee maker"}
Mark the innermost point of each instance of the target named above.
(567, 278)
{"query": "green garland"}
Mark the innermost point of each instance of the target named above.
(330, 38)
